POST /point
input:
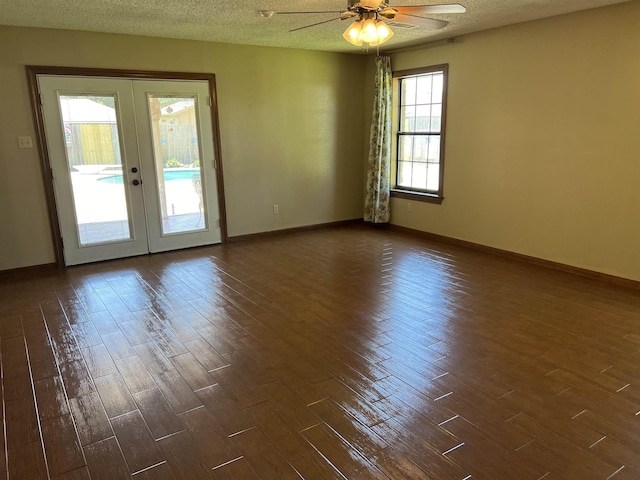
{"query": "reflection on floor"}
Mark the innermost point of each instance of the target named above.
(339, 353)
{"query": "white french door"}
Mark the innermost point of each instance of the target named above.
(132, 163)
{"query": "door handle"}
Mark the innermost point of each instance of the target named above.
(136, 182)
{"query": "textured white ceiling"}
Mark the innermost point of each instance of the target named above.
(238, 21)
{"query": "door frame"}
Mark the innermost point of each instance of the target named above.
(47, 174)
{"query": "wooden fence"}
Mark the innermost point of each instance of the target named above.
(97, 144)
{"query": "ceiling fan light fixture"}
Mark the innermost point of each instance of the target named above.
(384, 32)
(371, 31)
(353, 33)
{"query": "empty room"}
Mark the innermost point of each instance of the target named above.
(320, 240)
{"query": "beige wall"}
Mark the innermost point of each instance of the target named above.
(543, 140)
(288, 123)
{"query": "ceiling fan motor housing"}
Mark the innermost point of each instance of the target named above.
(364, 5)
(370, 4)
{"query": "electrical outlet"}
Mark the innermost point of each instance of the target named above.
(276, 209)
(409, 207)
(25, 142)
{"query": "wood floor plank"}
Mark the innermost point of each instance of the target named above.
(152, 357)
(365, 412)
(99, 361)
(192, 371)
(177, 391)
(90, 418)
(135, 332)
(238, 385)
(11, 326)
(13, 351)
(210, 359)
(103, 322)
(342, 455)
(81, 473)
(290, 405)
(77, 379)
(224, 410)
(51, 398)
(239, 469)
(21, 423)
(215, 445)
(27, 461)
(359, 436)
(313, 465)
(169, 344)
(263, 456)
(86, 334)
(158, 472)
(286, 439)
(61, 445)
(63, 341)
(184, 458)
(395, 465)
(41, 357)
(160, 418)
(118, 345)
(17, 383)
(116, 398)
(105, 461)
(138, 446)
(134, 374)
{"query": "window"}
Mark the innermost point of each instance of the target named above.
(419, 114)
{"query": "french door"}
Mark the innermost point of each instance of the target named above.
(132, 163)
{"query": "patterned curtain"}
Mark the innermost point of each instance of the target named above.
(376, 207)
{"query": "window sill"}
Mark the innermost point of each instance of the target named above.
(417, 196)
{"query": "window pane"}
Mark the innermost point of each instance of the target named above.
(404, 174)
(419, 177)
(424, 89)
(433, 177)
(420, 148)
(434, 149)
(405, 148)
(408, 87)
(438, 81)
(407, 119)
(436, 117)
(423, 118)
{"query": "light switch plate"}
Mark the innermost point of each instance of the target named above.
(25, 142)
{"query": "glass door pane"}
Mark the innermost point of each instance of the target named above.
(178, 166)
(94, 160)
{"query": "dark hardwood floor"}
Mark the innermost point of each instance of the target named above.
(348, 352)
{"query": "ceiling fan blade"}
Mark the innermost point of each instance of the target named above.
(430, 23)
(304, 13)
(314, 24)
(429, 9)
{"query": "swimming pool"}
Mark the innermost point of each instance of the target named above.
(169, 175)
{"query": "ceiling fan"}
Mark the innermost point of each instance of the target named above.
(370, 26)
